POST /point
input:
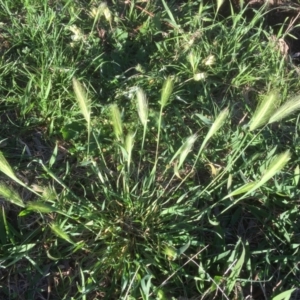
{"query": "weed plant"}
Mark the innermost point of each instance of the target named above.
(149, 150)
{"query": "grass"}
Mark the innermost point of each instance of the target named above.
(149, 150)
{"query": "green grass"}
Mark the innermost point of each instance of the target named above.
(149, 150)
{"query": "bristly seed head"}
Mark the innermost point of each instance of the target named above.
(116, 121)
(166, 91)
(142, 106)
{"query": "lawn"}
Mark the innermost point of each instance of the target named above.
(148, 150)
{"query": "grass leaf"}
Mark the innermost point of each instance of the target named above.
(243, 189)
(182, 249)
(169, 13)
(146, 285)
(296, 176)
(40, 207)
(7, 170)
(277, 164)
(60, 233)
(235, 272)
(286, 295)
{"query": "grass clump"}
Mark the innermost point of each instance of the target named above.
(160, 174)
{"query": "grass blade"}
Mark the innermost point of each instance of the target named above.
(182, 249)
(277, 164)
(243, 189)
(236, 270)
(296, 176)
(61, 234)
(146, 285)
(8, 171)
(169, 13)
(284, 295)
(41, 207)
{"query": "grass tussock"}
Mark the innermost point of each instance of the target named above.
(174, 175)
